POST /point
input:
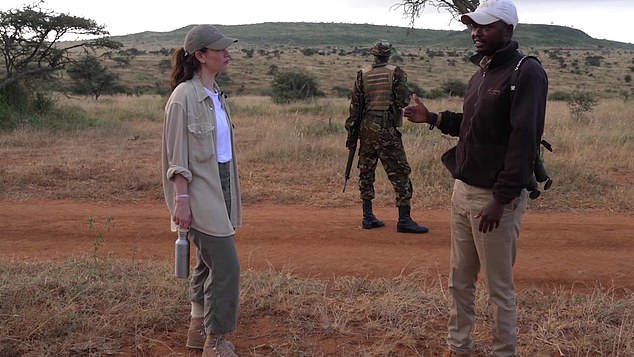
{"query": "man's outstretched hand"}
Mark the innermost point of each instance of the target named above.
(416, 111)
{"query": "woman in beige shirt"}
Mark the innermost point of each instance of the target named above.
(201, 185)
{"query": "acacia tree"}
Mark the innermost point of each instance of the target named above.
(412, 9)
(30, 42)
(91, 77)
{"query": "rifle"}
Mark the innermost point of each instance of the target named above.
(539, 173)
(351, 143)
(353, 134)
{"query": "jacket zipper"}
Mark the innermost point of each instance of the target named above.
(468, 133)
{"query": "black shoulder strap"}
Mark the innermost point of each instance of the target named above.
(516, 72)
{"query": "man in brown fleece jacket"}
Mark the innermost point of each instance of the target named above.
(492, 164)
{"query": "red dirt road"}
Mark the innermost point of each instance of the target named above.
(555, 249)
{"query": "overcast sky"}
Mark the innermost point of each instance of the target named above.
(603, 19)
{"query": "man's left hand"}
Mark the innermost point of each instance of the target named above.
(490, 216)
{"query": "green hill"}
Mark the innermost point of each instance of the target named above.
(303, 34)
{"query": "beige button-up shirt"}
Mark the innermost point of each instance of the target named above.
(189, 149)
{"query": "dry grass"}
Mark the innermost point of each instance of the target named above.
(292, 155)
(86, 307)
(335, 68)
(295, 154)
(99, 307)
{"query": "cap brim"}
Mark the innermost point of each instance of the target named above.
(221, 44)
(479, 18)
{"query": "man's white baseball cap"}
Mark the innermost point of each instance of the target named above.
(491, 11)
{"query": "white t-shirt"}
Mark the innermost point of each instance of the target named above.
(223, 135)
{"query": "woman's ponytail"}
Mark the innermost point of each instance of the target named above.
(184, 65)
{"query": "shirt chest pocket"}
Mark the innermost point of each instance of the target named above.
(201, 143)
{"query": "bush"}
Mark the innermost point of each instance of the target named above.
(594, 61)
(19, 106)
(224, 81)
(291, 86)
(273, 70)
(560, 96)
(581, 102)
(416, 89)
(343, 92)
(248, 52)
(454, 88)
(165, 65)
(17, 96)
(7, 115)
(308, 51)
(436, 93)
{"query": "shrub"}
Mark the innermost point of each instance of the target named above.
(291, 86)
(17, 96)
(581, 102)
(436, 93)
(454, 87)
(434, 53)
(7, 115)
(42, 103)
(342, 91)
(248, 52)
(594, 61)
(224, 82)
(560, 96)
(308, 51)
(273, 70)
(165, 65)
(20, 106)
(415, 88)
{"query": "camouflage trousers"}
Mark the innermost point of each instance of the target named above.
(380, 140)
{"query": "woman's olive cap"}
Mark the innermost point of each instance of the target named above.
(206, 36)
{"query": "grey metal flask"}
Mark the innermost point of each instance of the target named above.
(181, 254)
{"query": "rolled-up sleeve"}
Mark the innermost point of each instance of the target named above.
(176, 146)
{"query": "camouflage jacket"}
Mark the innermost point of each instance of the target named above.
(400, 95)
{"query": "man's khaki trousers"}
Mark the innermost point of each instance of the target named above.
(494, 252)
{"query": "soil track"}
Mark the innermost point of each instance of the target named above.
(555, 249)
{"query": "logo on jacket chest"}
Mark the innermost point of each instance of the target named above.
(494, 91)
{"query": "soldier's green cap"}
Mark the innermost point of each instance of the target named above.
(381, 48)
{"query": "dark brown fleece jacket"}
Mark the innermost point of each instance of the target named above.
(499, 132)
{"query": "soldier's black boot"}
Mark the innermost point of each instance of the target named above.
(369, 220)
(406, 224)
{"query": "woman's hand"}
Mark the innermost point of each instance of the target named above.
(182, 212)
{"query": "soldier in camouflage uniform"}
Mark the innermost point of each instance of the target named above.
(380, 92)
